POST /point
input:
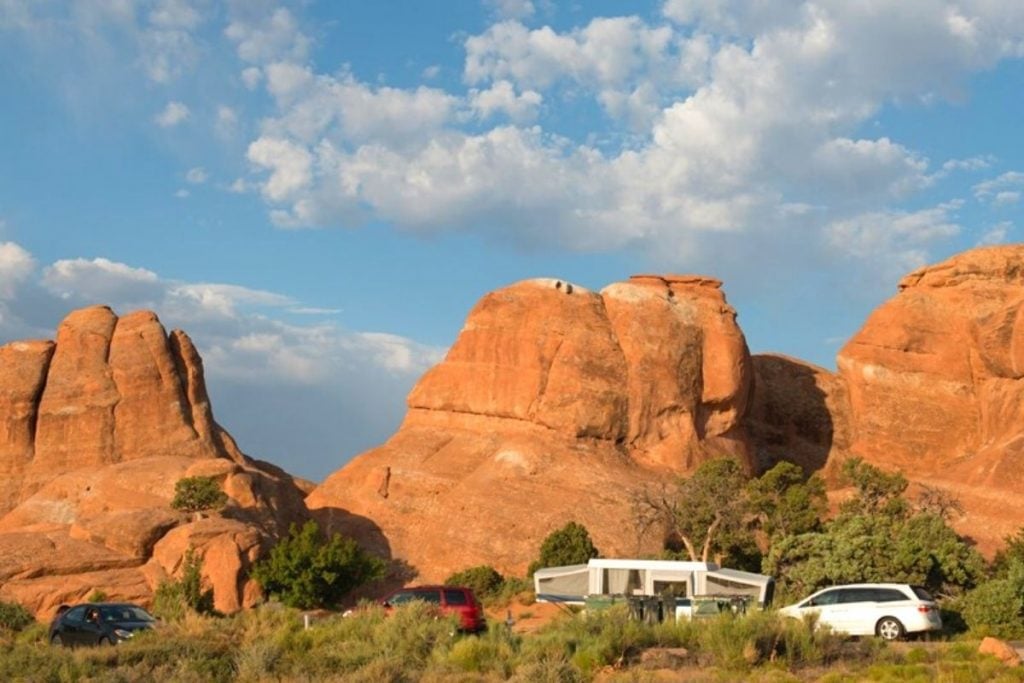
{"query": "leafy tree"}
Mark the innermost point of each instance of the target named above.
(997, 606)
(198, 494)
(877, 537)
(784, 502)
(1012, 551)
(307, 569)
(484, 580)
(176, 597)
(878, 491)
(703, 515)
(569, 545)
(14, 617)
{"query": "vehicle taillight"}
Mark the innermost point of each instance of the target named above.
(925, 609)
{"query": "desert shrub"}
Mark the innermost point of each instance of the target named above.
(175, 598)
(14, 617)
(491, 653)
(98, 596)
(569, 545)
(995, 607)
(308, 570)
(484, 580)
(198, 494)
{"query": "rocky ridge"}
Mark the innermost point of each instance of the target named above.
(97, 427)
(553, 403)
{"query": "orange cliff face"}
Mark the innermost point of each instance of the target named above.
(932, 385)
(553, 404)
(96, 429)
(936, 385)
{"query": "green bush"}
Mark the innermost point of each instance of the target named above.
(308, 570)
(198, 494)
(995, 607)
(14, 617)
(484, 580)
(173, 599)
(569, 545)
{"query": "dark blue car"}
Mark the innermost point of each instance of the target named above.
(99, 624)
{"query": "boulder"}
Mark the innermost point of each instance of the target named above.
(1001, 650)
(554, 404)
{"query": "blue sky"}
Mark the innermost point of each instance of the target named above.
(318, 192)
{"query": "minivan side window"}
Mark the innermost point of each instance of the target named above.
(890, 595)
(826, 598)
(848, 595)
(455, 597)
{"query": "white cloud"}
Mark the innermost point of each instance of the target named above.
(1003, 190)
(431, 72)
(16, 265)
(182, 193)
(197, 175)
(173, 114)
(251, 77)
(896, 241)
(100, 280)
(997, 234)
(264, 34)
(1006, 198)
(291, 167)
(227, 120)
(976, 163)
(511, 9)
(502, 98)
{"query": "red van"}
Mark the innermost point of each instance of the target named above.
(448, 599)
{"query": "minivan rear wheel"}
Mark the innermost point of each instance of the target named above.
(889, 628)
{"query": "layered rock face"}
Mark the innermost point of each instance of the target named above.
(553, 404)
(936, 384)
(97, 428)
(932, 385)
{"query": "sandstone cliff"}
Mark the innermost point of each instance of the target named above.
(97, 428)
(553, 403)
(932, 385)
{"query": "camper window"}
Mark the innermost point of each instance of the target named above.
(623, 582)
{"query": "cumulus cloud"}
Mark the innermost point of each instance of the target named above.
(501, 98)
(737, 118)
(173, 114)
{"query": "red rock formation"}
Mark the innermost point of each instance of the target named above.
(97, 429)
(932, 385)
(936, 384)
(552, 405)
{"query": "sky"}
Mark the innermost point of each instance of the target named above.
(318, 192)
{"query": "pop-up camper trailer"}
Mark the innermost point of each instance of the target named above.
(574, 583)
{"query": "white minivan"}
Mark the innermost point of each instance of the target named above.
(887, 610)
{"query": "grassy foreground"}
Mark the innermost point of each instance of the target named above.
(270, 644)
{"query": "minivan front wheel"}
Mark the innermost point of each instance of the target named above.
(889, 628)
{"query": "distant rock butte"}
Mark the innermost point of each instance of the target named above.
(553, 403)
(97, 427)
